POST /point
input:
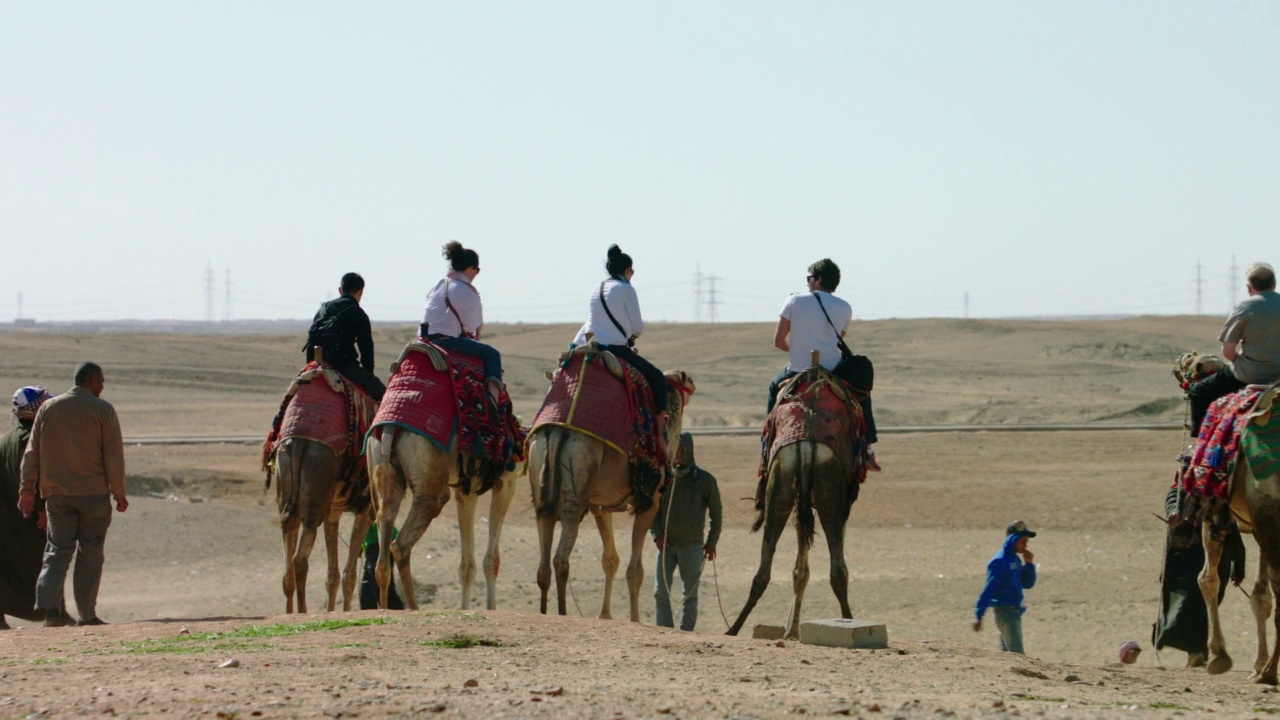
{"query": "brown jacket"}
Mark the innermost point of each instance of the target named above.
(75, 448)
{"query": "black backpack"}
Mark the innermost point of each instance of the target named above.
(326, 333)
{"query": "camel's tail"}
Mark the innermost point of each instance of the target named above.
(806, 460)
(550, 476)
(289, 479)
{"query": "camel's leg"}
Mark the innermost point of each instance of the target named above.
(608, 559)
(546, 534)
(833, 515)
(499, 502)
(429, 498)
(351, 574)
(780, 497)
(799, 580)
(290, 581)
(333, 579)
(467, 530)
(571, 514)
(1266, 533)
(388, 491)
(301, 561)
(1219, 660)
(635, 566)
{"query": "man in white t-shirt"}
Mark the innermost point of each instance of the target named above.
(815, 320)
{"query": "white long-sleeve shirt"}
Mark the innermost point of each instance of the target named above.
(464, 298)
(625, 306)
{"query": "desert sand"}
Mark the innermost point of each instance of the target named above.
(198, 550)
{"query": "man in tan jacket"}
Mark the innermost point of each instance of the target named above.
(76, 457)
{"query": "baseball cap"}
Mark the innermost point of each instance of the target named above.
(27, 395)
(1019, 528)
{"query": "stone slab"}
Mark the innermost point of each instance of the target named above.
(844, 633)
(767, 632)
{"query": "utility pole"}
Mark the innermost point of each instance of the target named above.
(712, 301)
(966, 304)
(1199, 288)
(208, 293)
(226, 308)
(697, 294)
(1233, 280)
(19, 304)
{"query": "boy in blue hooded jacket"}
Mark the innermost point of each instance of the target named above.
(1007, 576)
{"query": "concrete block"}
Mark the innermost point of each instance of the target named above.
(844, 633)
(767, 632)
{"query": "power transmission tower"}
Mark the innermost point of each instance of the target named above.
(208, 293)
(1199, 288)
(227, 306)
(966, 304)
(712, 301)
(697, 294)
(1233, 279)
(19, 304)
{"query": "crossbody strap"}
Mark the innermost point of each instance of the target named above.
(839, 340)
(462, 327)
(611, 317)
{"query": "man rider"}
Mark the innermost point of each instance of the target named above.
(1250, 344)
(340, 326)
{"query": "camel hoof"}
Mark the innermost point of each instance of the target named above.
(1219, 664)
(1196, 660)
(1261, 679)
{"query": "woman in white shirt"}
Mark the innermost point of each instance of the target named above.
(614, 322)
(454, 315)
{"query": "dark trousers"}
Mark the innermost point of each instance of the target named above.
(864, 400)
(1203, 393)
(365, 379)
(369, 591)
(487, 353)
(77, 525)
(657, 381)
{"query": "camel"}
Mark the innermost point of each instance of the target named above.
(309, 477)
(803, 476)
(572, 472)
(404, 459)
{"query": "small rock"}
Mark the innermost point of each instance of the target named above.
(901, 651)
(232, 663)
(780, 644)
(998, 704)
(552, 690)
(805, 662)
(471, 683)
(875, 707)
(1072, 678)
(663, 709)
(185, 630)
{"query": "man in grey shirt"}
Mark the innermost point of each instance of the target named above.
(678, 533)
(1250, 343)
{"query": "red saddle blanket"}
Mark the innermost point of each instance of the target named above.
(1217, 447)
(586, 397)
(316, 412)
(816, 406)
(443, 404)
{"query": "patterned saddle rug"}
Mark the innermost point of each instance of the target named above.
(815, 405)
(1214, 459)
(588, 397)
(324, 407)
(441, 396)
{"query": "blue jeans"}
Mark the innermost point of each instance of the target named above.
(1009, 623)
(689, 560)
(487, 353)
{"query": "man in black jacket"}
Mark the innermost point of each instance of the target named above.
(339, 328)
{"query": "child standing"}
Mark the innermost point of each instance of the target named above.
(1009, 572)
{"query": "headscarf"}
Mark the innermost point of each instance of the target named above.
(27, 401)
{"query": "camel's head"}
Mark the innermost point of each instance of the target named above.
(682, 388)
(1192, 367)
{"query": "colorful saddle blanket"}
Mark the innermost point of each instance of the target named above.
(1260, 438)
(586, 397)
(452, 402)
(815, 405)
(1214, 459)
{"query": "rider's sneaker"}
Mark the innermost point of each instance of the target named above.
(872, 465)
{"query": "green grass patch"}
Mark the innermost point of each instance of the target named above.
(458, 642)
(1167, 706)
(460, 614)
(243, 639)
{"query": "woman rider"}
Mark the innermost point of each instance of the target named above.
(454, 316)
(614, 321)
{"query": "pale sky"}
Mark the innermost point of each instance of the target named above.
(1044, 158)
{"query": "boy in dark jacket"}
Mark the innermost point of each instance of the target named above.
(1010, 571)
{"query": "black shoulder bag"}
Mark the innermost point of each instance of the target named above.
(853, 369)
(631, 342)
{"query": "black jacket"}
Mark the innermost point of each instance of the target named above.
(340, 326)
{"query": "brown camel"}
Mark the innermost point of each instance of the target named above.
(803, 476)
(400, 460)
(315, 486)
(572, 472)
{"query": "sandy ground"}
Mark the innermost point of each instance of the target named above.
(197, 548)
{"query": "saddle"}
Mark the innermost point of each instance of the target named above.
(817, 406)
(1209, 475)
(322, 406)
(586, 394)
(441, 396)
